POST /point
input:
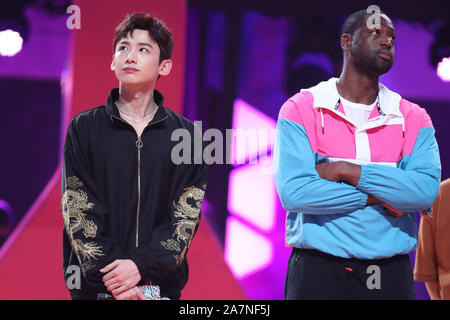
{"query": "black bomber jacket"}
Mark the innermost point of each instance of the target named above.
(124, 198)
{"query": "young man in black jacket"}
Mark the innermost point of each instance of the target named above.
(130, 212)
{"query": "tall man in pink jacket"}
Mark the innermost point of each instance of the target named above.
(355, 163)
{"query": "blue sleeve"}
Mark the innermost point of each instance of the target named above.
(414, 184)
(299, 186)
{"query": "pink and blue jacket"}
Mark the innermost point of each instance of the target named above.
(400, 166)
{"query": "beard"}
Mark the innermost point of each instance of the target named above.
(371, 64)
(380, 66)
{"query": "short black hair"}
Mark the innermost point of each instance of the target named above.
(155, 27)
(355, 21)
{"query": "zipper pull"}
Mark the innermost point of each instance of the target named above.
(139, 143)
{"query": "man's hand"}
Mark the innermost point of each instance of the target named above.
(328, 171)
(121, 276)
(340, 171)
(392, 210)
(134, 293)
(372, 200)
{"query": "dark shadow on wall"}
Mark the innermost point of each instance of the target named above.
(29, 140)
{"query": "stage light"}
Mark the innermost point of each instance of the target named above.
(443, 69)
(440, 51)
(14, 26)
(246, 251)
(10, 43)
(250, 120)
(251, 195)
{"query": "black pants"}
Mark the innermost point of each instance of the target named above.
(313, 274)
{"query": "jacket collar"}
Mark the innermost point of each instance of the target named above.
(326, 96)
(113, 111)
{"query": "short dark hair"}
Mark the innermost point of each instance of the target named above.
(156, 28)
(355, 21)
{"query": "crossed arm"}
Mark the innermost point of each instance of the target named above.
(342, 187)
(342, 171)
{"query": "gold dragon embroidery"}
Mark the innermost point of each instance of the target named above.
(187, 210)
(73, 204)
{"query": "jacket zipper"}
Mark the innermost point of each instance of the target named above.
(139, 145)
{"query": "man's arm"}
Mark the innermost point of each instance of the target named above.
(426, 266)
(84, 210)
(410, 188)
(414, 184)
(342, 171)
(433, 289)
(299, 186)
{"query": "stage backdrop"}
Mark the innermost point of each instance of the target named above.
(31, 259)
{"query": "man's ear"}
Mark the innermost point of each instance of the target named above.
(165, 67)
(346, 41)
(112, 64)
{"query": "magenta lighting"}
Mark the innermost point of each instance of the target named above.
(443, 69)
(251, 194)
(10, 43)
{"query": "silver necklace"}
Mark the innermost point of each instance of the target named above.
(132, 118)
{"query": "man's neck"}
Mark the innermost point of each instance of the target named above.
(136, 101)
(357, 87)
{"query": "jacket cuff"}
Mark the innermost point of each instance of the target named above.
(363, 203)
(141, 261)
(362, 183)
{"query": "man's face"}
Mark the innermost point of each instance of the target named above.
(373, 48)
(136, 59)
